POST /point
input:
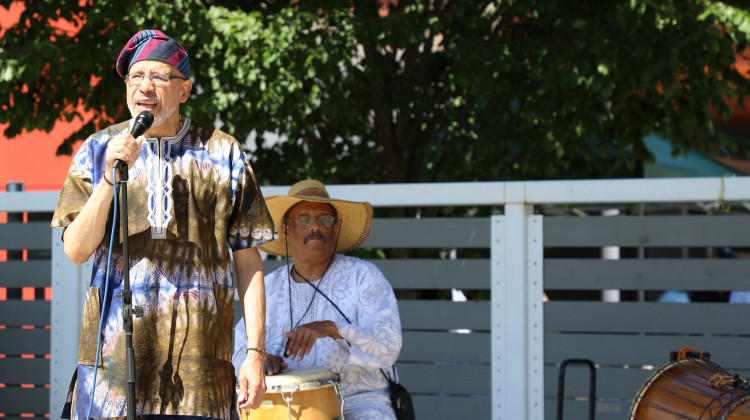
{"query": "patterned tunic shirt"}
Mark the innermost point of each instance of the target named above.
(190, 198)
(371, 342)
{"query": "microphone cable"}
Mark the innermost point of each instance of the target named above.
(106, 292)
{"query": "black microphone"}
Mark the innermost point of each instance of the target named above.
(142, 123)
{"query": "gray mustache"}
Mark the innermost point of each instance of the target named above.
(312, 235)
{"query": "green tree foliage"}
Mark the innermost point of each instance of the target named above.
(437, 90)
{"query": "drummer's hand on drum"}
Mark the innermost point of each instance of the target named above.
(302, 339)
(252, 381)
(275, 364)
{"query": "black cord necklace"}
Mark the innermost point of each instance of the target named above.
(289, 283)
(309, 305)
(322, 294)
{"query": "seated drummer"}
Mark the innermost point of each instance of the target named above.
(326, 309)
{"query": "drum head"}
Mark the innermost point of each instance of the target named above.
(304, 377)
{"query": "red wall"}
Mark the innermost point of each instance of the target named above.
(30, 157)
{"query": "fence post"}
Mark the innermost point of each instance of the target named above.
(69, 285)
(517, 314)
(14, 254)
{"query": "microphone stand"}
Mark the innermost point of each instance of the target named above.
(127, 294)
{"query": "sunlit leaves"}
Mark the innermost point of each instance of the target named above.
(435, 91)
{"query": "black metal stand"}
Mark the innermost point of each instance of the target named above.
(127, 295)
(561, 386)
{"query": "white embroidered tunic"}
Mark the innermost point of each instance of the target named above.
(371, 342)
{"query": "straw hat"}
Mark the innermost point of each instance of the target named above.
(355, 217)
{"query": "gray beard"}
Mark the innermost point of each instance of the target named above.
(159, 118)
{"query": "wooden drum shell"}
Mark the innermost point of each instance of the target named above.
(314, 397)
(682, 390)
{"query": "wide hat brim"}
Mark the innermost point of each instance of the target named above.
(355, 218)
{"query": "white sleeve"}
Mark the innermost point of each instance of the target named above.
(373, 340)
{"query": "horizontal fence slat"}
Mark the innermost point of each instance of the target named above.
(647, 231)
(426, 378)
(448, 232)
(444, 315)
(33, 235)
(682, 190)
(425, 273)
(35, 273)
(24, 312)
(272, 264)
(579, 409)
(15, 400)
(646, 317)
(421, 346)
(32, 201)
(611, 383)
(730, 352)
(449, 407)
(647, 274)
(17, 370)
(24, 341)
(661, 190)
(436, 274)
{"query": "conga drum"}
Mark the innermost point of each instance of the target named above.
(692, 389)
(299, 393)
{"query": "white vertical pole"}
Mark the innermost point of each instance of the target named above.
(535, 312)
(610, 253)
(69, 284)
(517, 317)
(501, 388)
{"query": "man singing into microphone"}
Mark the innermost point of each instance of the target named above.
(192, 196)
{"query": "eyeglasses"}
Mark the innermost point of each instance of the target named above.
(157, 79)
(325, 221)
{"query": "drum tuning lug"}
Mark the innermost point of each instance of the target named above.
(739, 381)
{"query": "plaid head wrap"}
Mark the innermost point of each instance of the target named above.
(151, 44)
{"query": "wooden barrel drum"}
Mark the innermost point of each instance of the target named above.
(692, 389)
(299, 393)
